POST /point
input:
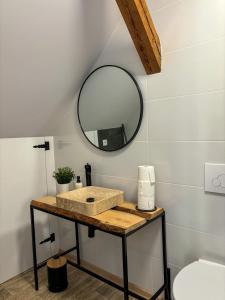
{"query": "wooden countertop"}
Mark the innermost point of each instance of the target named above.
(122, 219)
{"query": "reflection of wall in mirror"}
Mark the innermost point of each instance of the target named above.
(132, 120)
(93, 137)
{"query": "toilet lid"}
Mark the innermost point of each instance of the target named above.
(201, 280)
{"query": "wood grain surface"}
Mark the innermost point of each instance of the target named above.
(123, 219)
(81, 287)
(55, 263)
(130, 207)
(143, 33)
(110, 220)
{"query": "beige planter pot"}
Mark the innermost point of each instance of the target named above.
(63, 188)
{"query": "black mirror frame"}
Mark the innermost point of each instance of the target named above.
(141, 106)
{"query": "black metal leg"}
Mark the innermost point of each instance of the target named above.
(166, 271)
(77, 242)
(125, 268)
(34, 248)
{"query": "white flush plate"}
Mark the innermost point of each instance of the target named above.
(215, 178)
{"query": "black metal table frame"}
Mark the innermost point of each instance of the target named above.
(166, 271)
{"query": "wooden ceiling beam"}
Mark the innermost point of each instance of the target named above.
(142, 30)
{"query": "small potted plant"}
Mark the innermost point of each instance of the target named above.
(63, 176)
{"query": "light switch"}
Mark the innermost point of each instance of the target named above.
(215, 178)
(105, 143)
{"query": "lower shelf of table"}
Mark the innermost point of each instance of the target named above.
(110, 277)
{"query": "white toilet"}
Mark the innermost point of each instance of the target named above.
(201, 280)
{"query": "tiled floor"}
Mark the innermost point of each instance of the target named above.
(81, 287)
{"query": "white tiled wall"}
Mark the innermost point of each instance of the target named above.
(183, 127)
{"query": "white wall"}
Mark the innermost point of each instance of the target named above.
(25, 174)
(46, 49)
(183, 127)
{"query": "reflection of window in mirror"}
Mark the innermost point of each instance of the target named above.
(92, 136)
(110, 108)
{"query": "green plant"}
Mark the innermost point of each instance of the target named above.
(64, 175)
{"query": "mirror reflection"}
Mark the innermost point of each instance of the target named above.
(110, 108)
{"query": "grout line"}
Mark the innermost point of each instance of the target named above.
(181, 185)
(72, 142)
(197, 231)
(148, 148)
(141, 141)
(212, 92)
(175, 2)
(190, 228)
(171, 52)
(160, 259)
(186, 141)
(116, 177)
(158, 182)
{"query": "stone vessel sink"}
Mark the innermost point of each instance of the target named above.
(90, 200)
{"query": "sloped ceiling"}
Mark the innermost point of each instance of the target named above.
(46, 49)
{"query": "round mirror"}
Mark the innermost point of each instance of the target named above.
(110, 108)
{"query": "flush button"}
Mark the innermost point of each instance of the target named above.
(215, 178)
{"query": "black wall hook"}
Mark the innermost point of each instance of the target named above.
(46, 146)
(49, 239)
